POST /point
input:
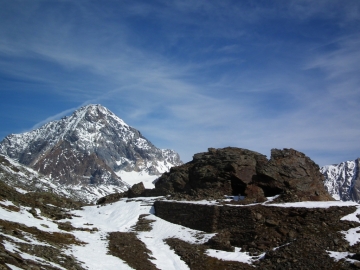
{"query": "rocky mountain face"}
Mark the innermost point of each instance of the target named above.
(25, 180)
(219, 172)
(342, 180)
(91, 147)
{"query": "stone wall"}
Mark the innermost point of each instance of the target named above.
(258, 227)
(208, 218)
(195, 216)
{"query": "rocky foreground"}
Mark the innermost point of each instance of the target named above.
(286, 233)
(229, 208)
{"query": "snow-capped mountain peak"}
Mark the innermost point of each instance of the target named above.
(91, 146)
(343, 180)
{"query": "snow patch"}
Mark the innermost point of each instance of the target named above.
(133, 178)
(236, 256)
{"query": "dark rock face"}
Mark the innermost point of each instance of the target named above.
(254, 194)
(237, 171)
(291, 172)
(136, 190)
(285, 238)
(74, 167)
(214, 173)
(200, 217)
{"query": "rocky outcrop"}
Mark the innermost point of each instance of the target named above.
(236, 171)
(213, 174)
(75, 167)
(292, 174)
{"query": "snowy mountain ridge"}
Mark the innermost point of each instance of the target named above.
(25, 179)
(57, 130)
(342, 180)
(90, 147)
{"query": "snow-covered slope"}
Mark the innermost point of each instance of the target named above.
(343, 180)
(25, 179)
(91, 147)
(81, 240)
(90, 226)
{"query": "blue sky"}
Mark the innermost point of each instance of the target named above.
(190, 74)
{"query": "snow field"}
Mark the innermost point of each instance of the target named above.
(24, 217)
(133, 178)
(121, 216)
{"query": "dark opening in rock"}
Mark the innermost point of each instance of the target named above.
(271, 191)
(268, 186)
(238, 187)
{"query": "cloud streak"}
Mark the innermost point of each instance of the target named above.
(195, 75)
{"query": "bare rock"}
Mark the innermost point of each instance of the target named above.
(236, 171)
(221, 241)
(136, 190)
(214, 174)
(294, 174)
(254, 194)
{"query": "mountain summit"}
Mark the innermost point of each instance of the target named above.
(342, 180)
(91, 147)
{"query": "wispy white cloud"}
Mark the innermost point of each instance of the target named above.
(53, 117)
(198, 74)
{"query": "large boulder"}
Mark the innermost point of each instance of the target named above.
(136, 190)
(237, 171)
(215, 173)
(293, 174)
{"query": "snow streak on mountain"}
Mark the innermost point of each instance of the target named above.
(343, 180)
(91, 147)
(24, 180)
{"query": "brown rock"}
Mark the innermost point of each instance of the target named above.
(291, 172)
(136, 190)
(221, 241)
(254, 194)
(215, 173)
(237, 171)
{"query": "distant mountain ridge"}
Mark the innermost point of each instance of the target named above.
(91, 147)
(24, 180)
(342, 180)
